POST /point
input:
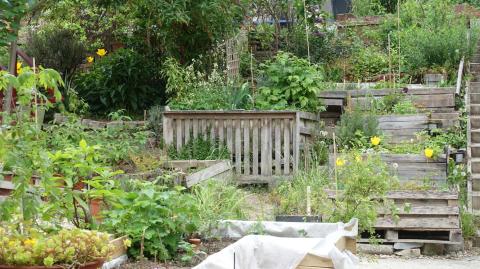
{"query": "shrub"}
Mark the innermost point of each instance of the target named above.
(123, 79)
(155, 218)
(62, 49)
(356, 128)
(289, 82)
(195, 90)
(394, 104)
(367, 63)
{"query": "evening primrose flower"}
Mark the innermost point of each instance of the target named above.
(30, 242)
(375, 140)
(90, 59)
(19, 67)
(428, 153)
(340, 162)
(358, 158)
(101, 52)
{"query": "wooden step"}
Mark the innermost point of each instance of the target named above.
(475, 147)
(474, 109)
(475, 122)
(475, 68)
(475, 163)
(475, 98)
(476, 58)
(475, 182)
(474, 87)
(475, 136)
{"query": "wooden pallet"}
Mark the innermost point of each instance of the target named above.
(424, 217)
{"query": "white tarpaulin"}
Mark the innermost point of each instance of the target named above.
(328, 248)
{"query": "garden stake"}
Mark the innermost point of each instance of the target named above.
(335, 164)
(309, 202)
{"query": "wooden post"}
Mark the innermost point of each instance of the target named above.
(335, 163)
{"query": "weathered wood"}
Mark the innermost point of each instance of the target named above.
(246, 147)
(221, 136)
(422, 210)
(179, 134)
(286, 147)
(207, 173)
(266, 152)
(255, 149)
(194, 128)
(187, 131)
(417, 223)
(278, 148)
(229, 135)
(238, 147)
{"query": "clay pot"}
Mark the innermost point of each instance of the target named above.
(196, 242)
(95, 208)
(7, 176)
(92, 265)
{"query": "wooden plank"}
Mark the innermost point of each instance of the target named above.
(229, 135)
(195, 128)
(221, 136)
(296, 143)
(188, 164)
(246, 147)
(278, 147)
(187, 131)
(212, 126)
(402, 118)
(423, 210)
(286, 146)
(413, 195)
(203, 128)
(425, 241)
(383, 92)
(255, 148)
(265, 165)
(418, 223)
(168, 130)
(179, 134)
(207, 173)
(238, 147)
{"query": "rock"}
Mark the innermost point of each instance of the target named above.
(375, 249)
(409, 253)
(433, 249)
(401, 245)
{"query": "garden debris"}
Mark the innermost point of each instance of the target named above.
(409, 253)
(433, 249)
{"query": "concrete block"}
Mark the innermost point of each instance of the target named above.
(433, 249)
(409, 253)
(401, 245)
(375, 249)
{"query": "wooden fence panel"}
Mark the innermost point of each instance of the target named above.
(261, 143)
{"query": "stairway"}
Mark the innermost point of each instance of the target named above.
(472, 103)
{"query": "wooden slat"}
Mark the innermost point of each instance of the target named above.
(187, 131)
(296, 143)
(286, 147)
(212, 126)
(221, 135)
(266, 152)
(423, 210)
(406, 222)
(238, 147)
(203, 126)
(255, 148)
(195, 128)
(179, 134)
(278, 147)
(209, 172)
(229, 135)
(246, 147)
(168, 130)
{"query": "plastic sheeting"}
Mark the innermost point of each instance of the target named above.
(275, 252)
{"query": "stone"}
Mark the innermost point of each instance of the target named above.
(452, 248)
(401, 245)
(409, 253)
(433, 249)
(375, 249)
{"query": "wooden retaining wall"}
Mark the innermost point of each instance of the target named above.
(428, 99)
(402, 128)
(263, 144)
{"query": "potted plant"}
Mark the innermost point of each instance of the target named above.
(26, 247)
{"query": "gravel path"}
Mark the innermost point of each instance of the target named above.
(421, 263)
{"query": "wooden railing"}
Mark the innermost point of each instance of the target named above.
(261, 143)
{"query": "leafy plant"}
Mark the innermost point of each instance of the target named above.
(356, 128)
(289, 82)
(123, 79)
(200, 148)
(23, 244)
(394, 103)
(155, 218)
(217, 201)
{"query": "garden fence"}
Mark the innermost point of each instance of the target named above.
(263, 144)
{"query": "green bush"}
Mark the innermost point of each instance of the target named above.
(62, 49)
(123, 79)
(153, 217)
(367, 63)
(356, 128)
(394, 104)
(289, 82)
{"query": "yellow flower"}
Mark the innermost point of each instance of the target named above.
(29, 242)
(428, 152)
(90, 59)
(101, 52)
(11, 243)
(340, 162)
(358, 158)
(19, 67)
(127, 243)
(375, 140)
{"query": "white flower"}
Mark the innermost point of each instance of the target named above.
(395, 165)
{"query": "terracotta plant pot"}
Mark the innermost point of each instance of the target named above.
(95, 208)
(92, 265)
(7, 176)
(196, 242)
